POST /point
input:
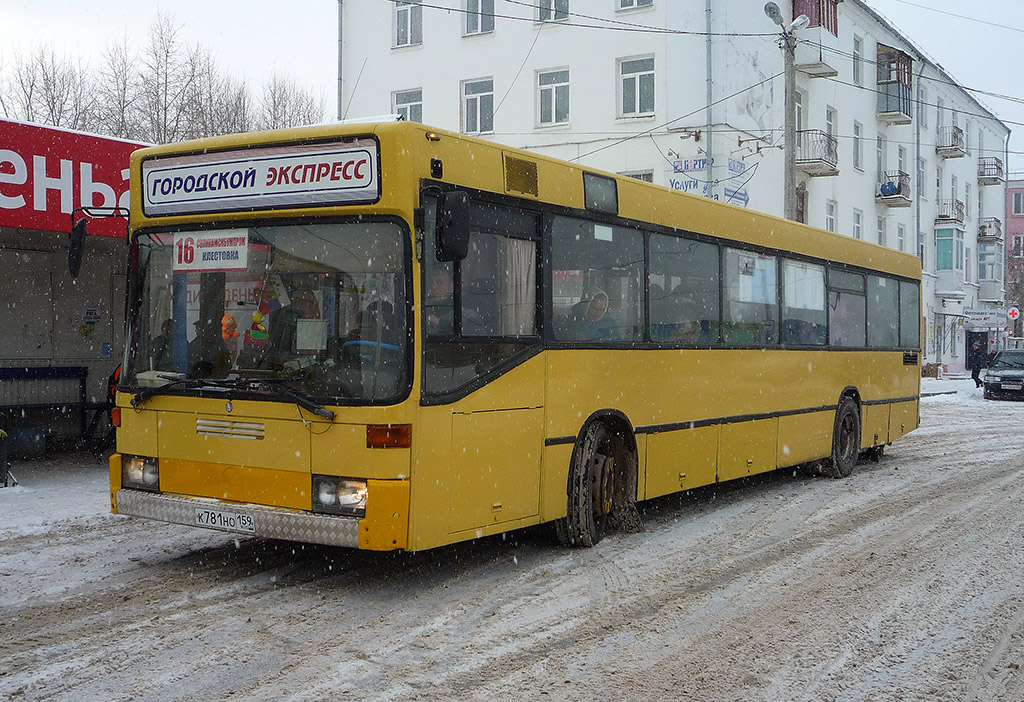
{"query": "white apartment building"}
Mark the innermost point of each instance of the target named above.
(690, 95)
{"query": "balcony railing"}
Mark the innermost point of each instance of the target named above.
(894, 189)
(990, 170)
(950, 211)
(817, 153)
(951, 143)
(990, 229)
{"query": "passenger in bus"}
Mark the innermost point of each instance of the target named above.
(589, 319)
(161, 355)
(439, 306)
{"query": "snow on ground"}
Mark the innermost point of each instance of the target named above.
(903, 582)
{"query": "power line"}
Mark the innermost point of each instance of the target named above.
(608, 24)
(963, 17)
(676, 119)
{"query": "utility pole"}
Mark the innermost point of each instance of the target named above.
(341, 112)
(787, 42)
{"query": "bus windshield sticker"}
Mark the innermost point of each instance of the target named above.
(225, 250)
(284, 176)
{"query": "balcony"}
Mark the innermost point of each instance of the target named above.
(990, 230)
(817, 153)
(951, 142)
(895, 79)
(990, 291)
(950, 212)
(894, 189)
(990, 170)
(819, 42)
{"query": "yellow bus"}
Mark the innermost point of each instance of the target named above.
(384, 336)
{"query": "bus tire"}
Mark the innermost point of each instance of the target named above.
(590, 489)
(845, 439)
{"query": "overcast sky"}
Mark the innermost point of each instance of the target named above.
(298, 38)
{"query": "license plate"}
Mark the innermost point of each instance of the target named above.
(1011, 386)
(229, 521)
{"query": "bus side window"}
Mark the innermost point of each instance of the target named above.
(804, 322)
(684, 290)
(751, 299)
(597, 274)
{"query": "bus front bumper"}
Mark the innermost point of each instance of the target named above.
(249, 520)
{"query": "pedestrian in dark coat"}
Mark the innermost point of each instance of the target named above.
(977, 358)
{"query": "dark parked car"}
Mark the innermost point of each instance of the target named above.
(1005, 377)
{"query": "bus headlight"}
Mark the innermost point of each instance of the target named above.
(140, 472)
(339, 495)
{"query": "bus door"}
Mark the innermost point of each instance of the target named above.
(481, 336)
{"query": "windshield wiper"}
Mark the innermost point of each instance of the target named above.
(142, 395)
(299, 398)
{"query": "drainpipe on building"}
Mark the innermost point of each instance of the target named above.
(710, 98)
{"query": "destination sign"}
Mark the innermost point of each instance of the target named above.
(265, 178)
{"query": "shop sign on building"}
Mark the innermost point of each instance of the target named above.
(47, 172)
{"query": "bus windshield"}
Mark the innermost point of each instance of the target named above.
(320, 307)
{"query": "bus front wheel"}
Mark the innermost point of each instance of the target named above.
(590, 489)
(845, 440)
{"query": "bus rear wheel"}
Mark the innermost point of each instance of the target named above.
(845, 440)
(590, 490)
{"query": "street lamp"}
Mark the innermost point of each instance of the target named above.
(787, 42)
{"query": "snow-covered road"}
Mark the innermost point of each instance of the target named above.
(902, 582)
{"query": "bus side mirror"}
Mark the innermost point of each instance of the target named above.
(77, 246)
(451, 228)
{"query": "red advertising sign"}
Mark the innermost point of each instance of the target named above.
(46, 172)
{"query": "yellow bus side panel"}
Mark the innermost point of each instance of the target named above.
(234, 483)
(681, 460)
(115, 479)
(902, 419)
(747, 448)
(138, 432)
(875, 425)
(805, 437)
(555, 481)
(495, 475)
(386, 524)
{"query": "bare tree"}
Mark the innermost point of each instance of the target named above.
(118, 92)
(285, 104)
(168, 76)
(217, 103)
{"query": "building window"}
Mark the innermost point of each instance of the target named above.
(1017, 249)
(949, 249)
(1018, 203)
(938, 182)
(901, 235)
(630, 4)
(858, 224)
(858, 60)
(967, 200)
(637, 84)
(990, 265)
(882, 232)
(858, 138)
(553, 97)
(409, 104)
(922, 107)
(478, 106)
(408, 23)
(552, 10)
(922, 185)
(880, 157)
(830, 215)
(479, 16)
(830, 120)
